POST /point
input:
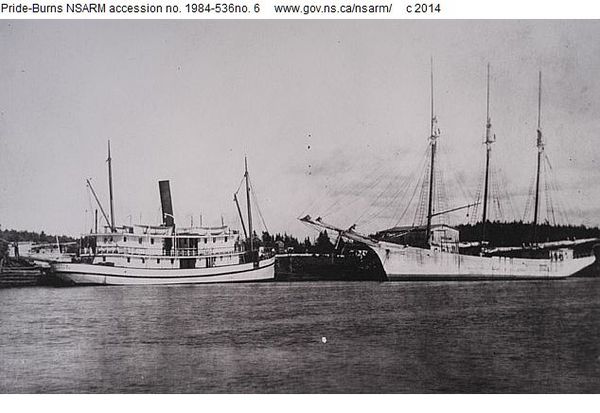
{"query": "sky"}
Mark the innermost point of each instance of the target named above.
(333, 116)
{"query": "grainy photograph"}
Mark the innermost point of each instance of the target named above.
(286, 206)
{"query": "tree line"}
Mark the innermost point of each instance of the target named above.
(288, 243)
(283, 242)
(504, 234)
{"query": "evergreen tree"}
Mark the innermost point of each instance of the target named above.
(323, 244)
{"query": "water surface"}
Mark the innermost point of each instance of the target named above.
(526, 336)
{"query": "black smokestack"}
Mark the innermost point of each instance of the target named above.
(165, 201)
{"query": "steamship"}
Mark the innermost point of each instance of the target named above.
(166, 254)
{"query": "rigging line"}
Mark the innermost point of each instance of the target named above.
(378, 210)
(496, 190)
(366, 189)
(492, 206)
(401, 194)
(558, 203)
(442, 194)
(529, 198)
(380, 207)
(376, 172)
(372, 210)
(239, 186)
(91, 207)
(312, 205)
(421, 206)
(562, 208)
(419, 190)
(378, 179)
(548, 196)
(402, 188)
(494, 210)
(505, 194)
(404, 181)
(438, 198)
(420, 186)
(359, 195)
(254, 196)
(475, 210)
(501, 199)
(462, 185)
(384, 210)
(345, 195)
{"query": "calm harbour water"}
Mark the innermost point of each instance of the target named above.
(541, 336)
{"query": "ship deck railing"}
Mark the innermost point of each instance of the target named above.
(179, 252)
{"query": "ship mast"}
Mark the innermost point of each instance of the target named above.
(433, 141)
(110, 191)
(237, 204)
(540, 148)
(489, 139)
(250, 233)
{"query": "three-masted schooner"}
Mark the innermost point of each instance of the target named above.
(166, 254)
(431, 252)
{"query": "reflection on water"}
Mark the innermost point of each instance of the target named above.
(541, 336)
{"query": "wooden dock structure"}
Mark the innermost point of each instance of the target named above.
(15, 273)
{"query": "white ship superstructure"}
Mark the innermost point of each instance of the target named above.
(166, 254)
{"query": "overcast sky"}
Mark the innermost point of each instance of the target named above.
(329, 113)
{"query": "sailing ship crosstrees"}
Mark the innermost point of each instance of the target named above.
(432, 252)
(166, 254)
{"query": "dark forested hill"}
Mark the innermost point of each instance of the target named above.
(503, 234)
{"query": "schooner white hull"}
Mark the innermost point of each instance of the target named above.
(402, 262)
(94, 274)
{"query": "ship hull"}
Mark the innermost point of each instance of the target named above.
(405, 263)
(94, 274)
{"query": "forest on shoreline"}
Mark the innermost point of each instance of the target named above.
(498, 234)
